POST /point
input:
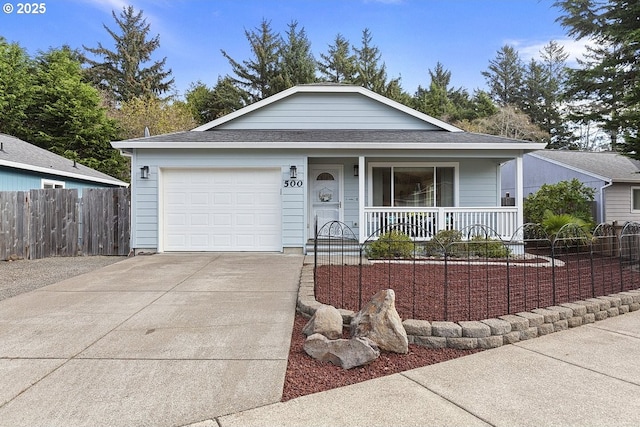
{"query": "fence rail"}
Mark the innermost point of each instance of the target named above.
(425, 222)
(476, 275)
(57, 222)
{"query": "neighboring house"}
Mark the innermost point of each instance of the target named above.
(24, 166)
(615, 179)
(257, 179)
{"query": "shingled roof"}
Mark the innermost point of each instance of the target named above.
(327, 136)
(611, 166)
(19, 154)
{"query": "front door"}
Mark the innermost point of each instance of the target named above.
(325, 183)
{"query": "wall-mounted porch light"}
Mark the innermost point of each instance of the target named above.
(144, 172)
(293, 172)
(356, 170)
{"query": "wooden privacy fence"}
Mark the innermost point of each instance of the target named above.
(57, 222)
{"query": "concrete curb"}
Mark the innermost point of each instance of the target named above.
(495, 332)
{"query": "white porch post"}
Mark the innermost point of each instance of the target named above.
(362, 174)
(519, 191)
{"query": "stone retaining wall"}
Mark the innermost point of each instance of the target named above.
(491, 333)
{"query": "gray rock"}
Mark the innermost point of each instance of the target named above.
(430, 342)
(475, 329)
(462, 343)
(420, 328)
(327, 321)
(533, 318)
(379, 321)
(517, 323)
(498, 326)
(491, 342)
(446, 329)
(550, 316)
(344, 353)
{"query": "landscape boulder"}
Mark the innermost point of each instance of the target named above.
(341, 352)
(327, 321)
(379, 321)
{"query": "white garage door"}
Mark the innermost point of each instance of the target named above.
(222, 210)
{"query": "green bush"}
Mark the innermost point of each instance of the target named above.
(565, 197)
(484, 247)
(393, 244)
(552, 224)
(441, 242)
(453, 244)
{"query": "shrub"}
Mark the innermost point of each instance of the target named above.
(552, 224)
(392, 244)
(485, 247)
(565, 197)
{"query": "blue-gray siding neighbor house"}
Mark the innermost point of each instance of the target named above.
(614, 178)
(259, 178)
(24, 167)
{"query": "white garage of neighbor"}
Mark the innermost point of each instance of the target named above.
(221, 209)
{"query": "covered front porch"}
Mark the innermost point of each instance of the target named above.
(423, 195)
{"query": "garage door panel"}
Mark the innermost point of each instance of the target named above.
(222, 210)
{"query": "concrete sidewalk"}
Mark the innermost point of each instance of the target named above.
(160, 340)
(586, 376)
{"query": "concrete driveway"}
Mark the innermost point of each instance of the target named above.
(162, 340)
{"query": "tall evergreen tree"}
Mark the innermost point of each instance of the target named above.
(608, 76)
(369, 73)
(338, 64)
(298, 63)
(16, 88)
(261, 76)
(435, 101)
(504, 77)
(209, 104)
(66, 116)
(122, 71)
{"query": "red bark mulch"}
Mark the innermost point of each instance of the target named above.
(306, 375)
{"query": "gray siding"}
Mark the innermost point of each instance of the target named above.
(327, 111)
(537, 172)
(618, 203)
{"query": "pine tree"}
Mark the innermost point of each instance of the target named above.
(298, 64)
(209, 104)
(261, 76)
(369, 73)
(608, 76)
(504, 77)
(122, 72)
(338, 64)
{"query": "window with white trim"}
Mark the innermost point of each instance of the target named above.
(413, 185)
(635, 199)
(48, 183)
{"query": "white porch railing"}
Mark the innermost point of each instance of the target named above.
(426, 222)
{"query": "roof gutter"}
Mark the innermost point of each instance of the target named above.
(62, 173)
(529, 146)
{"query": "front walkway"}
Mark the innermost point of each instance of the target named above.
(162, 340)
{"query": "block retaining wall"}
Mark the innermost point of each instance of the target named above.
(491, 333)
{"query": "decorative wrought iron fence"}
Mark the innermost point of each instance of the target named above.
(472, 274)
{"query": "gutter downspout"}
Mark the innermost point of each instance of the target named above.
(602, 199)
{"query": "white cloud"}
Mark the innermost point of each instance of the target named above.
(108, 5)
(531, 49)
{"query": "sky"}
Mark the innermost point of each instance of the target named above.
(412, 35)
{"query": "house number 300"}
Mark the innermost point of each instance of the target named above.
(289, 183)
